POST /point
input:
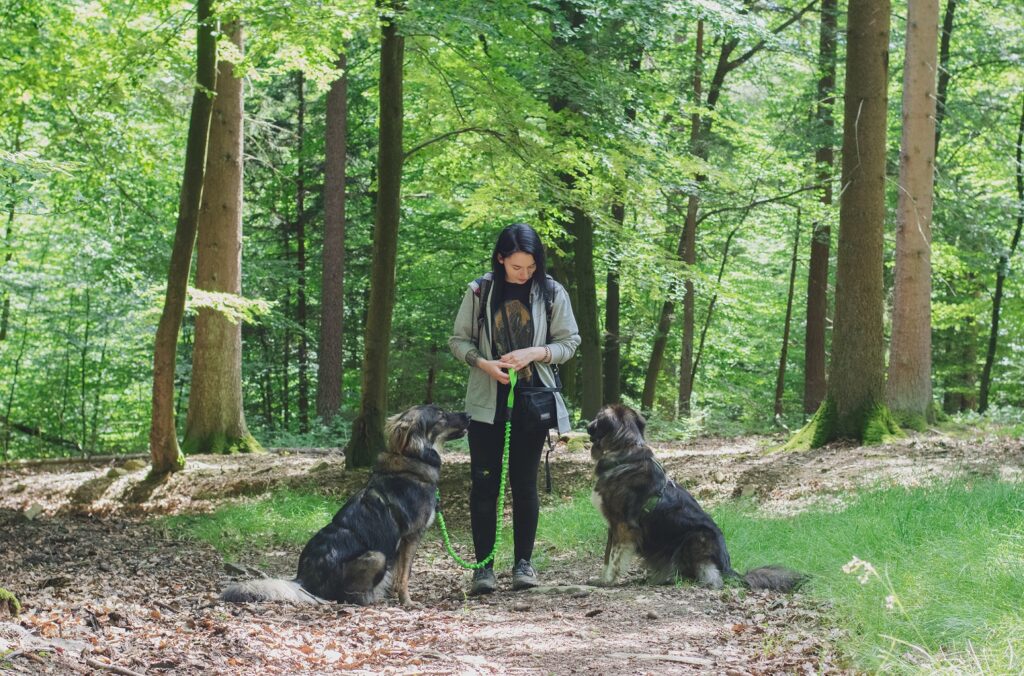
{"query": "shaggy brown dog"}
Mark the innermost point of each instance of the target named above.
(651, 515)
(372, 539)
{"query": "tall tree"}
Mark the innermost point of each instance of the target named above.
(163, 438)
(332, 289)
(368, 428)
(821, 239)
(301, 307)
(780, 377)
(944, 74)
(580, 227)
(1002, 271)
(909, 386)
(215, 421)
(854, 405)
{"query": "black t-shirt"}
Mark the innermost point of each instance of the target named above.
(515, 335)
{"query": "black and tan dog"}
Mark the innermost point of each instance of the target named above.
(370, 543)
(651, 515)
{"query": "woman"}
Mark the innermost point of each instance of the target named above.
(503, 324)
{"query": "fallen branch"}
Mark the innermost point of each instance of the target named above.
(96, 664)
(682, 659)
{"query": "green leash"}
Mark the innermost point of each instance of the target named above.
(512, 377)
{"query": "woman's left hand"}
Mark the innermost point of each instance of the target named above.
(520, 359)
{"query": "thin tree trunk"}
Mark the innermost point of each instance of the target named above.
(711, 304)
(821, 239)
(431, 375)
(301, 309)
(909, 385)
(92, 446)
(943, 88)
(163, 439)
(591, 398)
(854, 405)
(332, 300)
(780, 379)
(5, 296)
(611, 353)
(368, 428)
(1002, 271)
(215, 419)
(83, 354)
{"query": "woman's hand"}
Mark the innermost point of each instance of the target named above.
(520, 359)
(493, 368)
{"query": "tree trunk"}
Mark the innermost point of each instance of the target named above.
(301, 309)
(591, 398)
(854, 405)
(821, 239)
(1002, 271)
(163, 439)
(5, 295)
(780, 379)
(368, 428)
(332, 299)
(215, 421)
(909, 386)
(611, 354)
(943, 88)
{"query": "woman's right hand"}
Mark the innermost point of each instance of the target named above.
(493, 368)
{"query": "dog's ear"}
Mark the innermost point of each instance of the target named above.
(641, 424)
(397, 429)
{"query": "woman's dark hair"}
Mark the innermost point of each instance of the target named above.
(518, 237)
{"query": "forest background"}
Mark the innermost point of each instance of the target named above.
(672, 155)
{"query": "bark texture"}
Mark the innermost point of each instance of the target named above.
(368, 428)
(854, 404)
(909, 386)
(163, 438)
(215, 421)
(821, 238)
(332, 292)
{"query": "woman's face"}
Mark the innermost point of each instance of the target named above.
(519, 267)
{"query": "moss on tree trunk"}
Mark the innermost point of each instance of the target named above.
(220, 442)
(9, 604)
(873, 424)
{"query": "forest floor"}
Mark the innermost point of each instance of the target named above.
(106, 589)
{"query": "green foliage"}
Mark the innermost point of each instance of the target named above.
(939, 583)
(93, 141)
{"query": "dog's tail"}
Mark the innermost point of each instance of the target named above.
(775, 578)
(289, 591)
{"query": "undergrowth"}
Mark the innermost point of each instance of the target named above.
(920, 580)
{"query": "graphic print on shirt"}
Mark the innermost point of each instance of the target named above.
(520, 330)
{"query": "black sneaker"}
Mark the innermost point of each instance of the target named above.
(524, 576)
(483, 582)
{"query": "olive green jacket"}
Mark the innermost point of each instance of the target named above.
(482, 390)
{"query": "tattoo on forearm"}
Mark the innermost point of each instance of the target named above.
(473, 356)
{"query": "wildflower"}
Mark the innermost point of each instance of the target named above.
(890, 601)
(865, 569)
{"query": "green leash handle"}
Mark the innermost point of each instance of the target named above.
(512, 377)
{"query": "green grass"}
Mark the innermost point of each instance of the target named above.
(944, 591)
(285, 520)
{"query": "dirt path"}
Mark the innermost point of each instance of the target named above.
(101, 587)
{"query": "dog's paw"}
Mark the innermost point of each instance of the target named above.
(409, 604)
(600, 582)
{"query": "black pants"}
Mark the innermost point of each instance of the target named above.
(486, 443)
